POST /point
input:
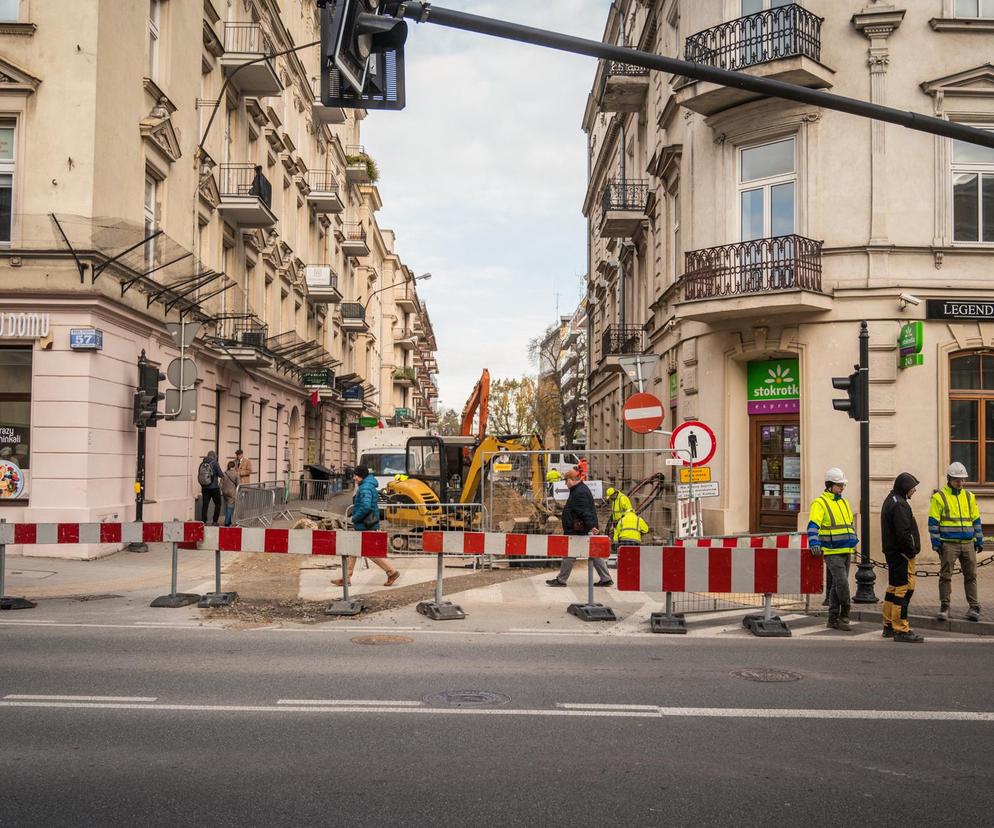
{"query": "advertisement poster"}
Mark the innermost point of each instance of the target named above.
(14, 462)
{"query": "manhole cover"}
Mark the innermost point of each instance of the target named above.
(467, 698)
(376, 640)
(766, 675)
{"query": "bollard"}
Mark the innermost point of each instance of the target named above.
(217, 598)
(591, 611)
(8, 602)
(666, 621)
(439, 609)
(765, 624)
(175, 599)
(347, 606)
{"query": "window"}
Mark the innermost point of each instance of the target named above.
(151, 218)
(973, 193)
(154, 17)
(7, 148)
(971, 413)
(767, 183)
(756, 6)
(675, 234)
(975, 8)
(15, 424)
(9, 10)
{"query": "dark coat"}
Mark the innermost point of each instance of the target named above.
(898, 527)
(579, 514)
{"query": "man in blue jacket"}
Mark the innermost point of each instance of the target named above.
(366, 518)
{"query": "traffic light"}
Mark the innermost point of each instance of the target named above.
(856, 404)
(362, 54)
(147, 396)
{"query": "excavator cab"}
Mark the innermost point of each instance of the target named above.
(440, 463)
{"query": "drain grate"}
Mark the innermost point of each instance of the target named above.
(467, 698)
(380, 640)
(767, 676)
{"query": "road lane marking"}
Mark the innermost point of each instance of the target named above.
(591, 706)
(35, 697)
(354, 702)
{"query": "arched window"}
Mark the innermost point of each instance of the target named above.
(971, 413)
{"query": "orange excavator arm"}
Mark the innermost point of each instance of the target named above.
(479, 400)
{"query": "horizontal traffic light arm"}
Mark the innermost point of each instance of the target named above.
(430, 13)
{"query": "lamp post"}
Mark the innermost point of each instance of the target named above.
(422, 278)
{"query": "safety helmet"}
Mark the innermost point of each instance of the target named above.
(400, 478)
(611, 492)
(957, 470)
(553, 476)
(835, 476)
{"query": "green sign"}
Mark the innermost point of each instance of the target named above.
(402, 412)
(910, 342)
(368, 422)
(774, 387)
(312, 378)
(674, 386)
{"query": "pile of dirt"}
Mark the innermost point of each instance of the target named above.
(513, 512)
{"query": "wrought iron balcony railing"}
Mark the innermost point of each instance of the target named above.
(753, 267)
(243, 180)
(242, 331)
(614, 67)
(781, 32)
(321, 181)
(621, 339)
(245, 38)
(354, 232)
(353, 310)
(625, 194)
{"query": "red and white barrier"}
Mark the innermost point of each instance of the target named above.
(767, 568)
(794, 540)
(517, 545)
(57, 533)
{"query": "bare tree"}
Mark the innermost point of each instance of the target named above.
(448, 422)
(555, 410)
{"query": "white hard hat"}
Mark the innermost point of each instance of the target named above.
(957, 470)
(835, 475)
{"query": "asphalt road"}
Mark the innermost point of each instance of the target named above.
(116, 726)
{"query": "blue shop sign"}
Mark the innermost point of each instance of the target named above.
(86, 339)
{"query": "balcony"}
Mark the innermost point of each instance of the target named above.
(241, 338)
(782, 43)
(623, 207)
(404, 377)
(325, 114)
(322, 285)
(405, 338)
(407, 300)
(618, 341)
(243, 43)
(360, 168)
(323, 194)
(623, 87)
(353, 240)
(759, 278)
(353, 317)
(246, 196)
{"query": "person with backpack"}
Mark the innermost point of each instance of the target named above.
(209, 477)
(229, 490)
(366, 518)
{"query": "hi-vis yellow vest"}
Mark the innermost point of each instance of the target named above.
(835, 524)
(630, 527)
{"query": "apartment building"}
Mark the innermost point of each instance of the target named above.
(743, 239)
(129, 199)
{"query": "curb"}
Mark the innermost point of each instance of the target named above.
(922, 622)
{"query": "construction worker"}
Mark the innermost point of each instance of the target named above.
(832, 534)
(629, 529)
(957, 536)
(552, 477)
(619, 502)
(901, 544)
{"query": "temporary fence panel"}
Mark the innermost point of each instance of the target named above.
(517, 545)
(256, 502)
(407, 523)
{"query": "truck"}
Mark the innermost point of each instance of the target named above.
(384, 451)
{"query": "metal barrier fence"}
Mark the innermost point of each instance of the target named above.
(405, 523)
(267, 501)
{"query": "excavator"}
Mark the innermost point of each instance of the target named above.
(450, 470)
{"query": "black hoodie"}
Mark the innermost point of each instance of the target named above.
(898, 527)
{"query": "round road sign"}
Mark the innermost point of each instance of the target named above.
(696, 440)
(643, 413)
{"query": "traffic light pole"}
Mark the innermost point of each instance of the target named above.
(429, 13)
(865, 576)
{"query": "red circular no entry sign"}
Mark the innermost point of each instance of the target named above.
(643, 413)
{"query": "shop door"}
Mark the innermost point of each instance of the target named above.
(775, 473)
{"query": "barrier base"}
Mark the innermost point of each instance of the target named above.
(660, 622)
(592, 612)
(180, 599)
(445, 611)
(8, 602)
(759, 625)
(212, 600)
(352, 606)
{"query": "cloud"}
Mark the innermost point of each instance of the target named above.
(483, 177)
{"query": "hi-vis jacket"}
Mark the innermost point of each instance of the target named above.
(831, 525)
(630, 527)
(953, 517)
(620, 504)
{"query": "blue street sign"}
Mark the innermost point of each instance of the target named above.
(86, 339)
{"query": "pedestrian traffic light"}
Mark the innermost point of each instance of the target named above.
(362, 54)
(147, 396)
(856, 403)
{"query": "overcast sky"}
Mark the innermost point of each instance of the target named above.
(482, 178)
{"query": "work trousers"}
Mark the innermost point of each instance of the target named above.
(900, 588)
(965, 554)
(566, 568)
(837, 573)
(208, 496)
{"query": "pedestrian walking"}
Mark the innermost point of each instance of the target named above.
(832, 534)
(229, 490)
(209, 477)
(366, 518)
(244, 467)
(957, 536)
(579, 517)
(901, 544)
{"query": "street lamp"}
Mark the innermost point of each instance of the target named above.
(422, 278)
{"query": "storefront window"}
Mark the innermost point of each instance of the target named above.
(971, 413)
(15, 423)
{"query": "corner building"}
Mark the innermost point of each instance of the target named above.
(115, 221)
(742, 239)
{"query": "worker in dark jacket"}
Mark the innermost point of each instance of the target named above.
(579, 518)
(901, 544)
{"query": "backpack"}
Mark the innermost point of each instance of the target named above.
(205, 474)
